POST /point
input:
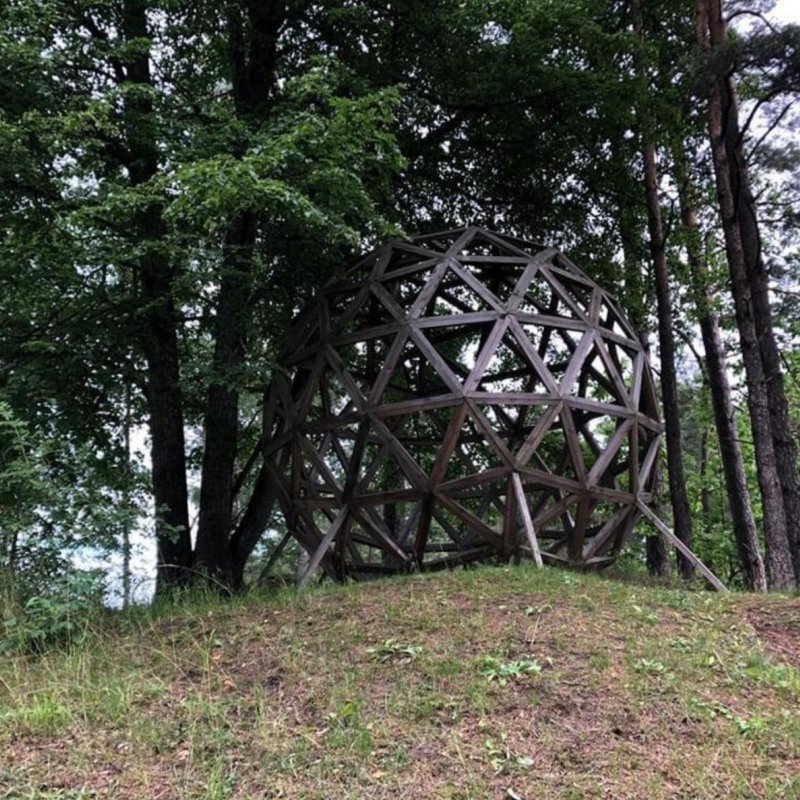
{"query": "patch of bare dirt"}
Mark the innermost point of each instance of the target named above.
(778, 626)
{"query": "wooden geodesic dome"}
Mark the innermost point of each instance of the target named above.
(457, 397)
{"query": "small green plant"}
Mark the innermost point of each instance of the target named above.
(505, 671)
(219, 782)
(711, 710)
(751, 726)
(650, 666)
(503, 758)
(759, 669)
(645, 615)
(44, 715)
(391, 648)
(345, 729)
(681, 601)
(345, 715)
(681, 644)
(746, 726)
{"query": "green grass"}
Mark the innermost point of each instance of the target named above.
(488, 683)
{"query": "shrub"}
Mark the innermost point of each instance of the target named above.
(59, 618)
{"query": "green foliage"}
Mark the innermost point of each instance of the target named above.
(55, 501)
(22, 484)
(525, 117)
(60, 618)
(503, 758)
(505, 671)
(391, 648)
(314, 177)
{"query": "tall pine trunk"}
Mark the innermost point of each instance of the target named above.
(656, 546)
(681, 510)
(782, 440)
(738, 493)
(723, 113)
(159, 339)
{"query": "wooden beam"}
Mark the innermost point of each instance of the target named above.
(323, 547)
(668, 534)
(527, 522)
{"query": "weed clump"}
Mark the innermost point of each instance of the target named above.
(59, 618)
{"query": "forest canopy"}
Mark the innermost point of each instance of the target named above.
(179, 178)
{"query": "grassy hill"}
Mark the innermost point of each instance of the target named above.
(492, 683)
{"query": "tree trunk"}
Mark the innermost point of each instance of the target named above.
(254, 520)
(782, 440)
(212, 551)
(253, 30)
(657, 555)
(262, 500)
(656, 548)
(681, 511)
(127, 500)
(160, 336)
(738, 493)
(722, 113)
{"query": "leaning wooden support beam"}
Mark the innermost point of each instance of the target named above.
(323, 547)
(527, 522)
(662, 528)
(287, 537)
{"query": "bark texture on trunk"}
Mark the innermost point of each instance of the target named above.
(656, 547)
(253, 30)
(212, 551)
(738, 493)
(159, 340)
(782, 440)
(722, 115)
(681, 510)
(254, 520)
(657, 555)
(262, 499)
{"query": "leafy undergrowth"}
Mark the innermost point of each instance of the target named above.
(491, 683)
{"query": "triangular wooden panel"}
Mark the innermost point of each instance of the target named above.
(462, 396)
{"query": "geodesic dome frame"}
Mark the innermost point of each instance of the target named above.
(457, 397)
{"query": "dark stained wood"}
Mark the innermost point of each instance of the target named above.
(666, 531)
(391, 399)
(323, 547)
(420, 547)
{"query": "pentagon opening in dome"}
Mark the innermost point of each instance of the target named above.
(458, 397)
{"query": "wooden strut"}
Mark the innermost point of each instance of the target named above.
(527, 522)
(323, 547)
(453, 383)
(668, 534)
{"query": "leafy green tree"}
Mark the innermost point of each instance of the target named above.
(181, 177)
(197, 183)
